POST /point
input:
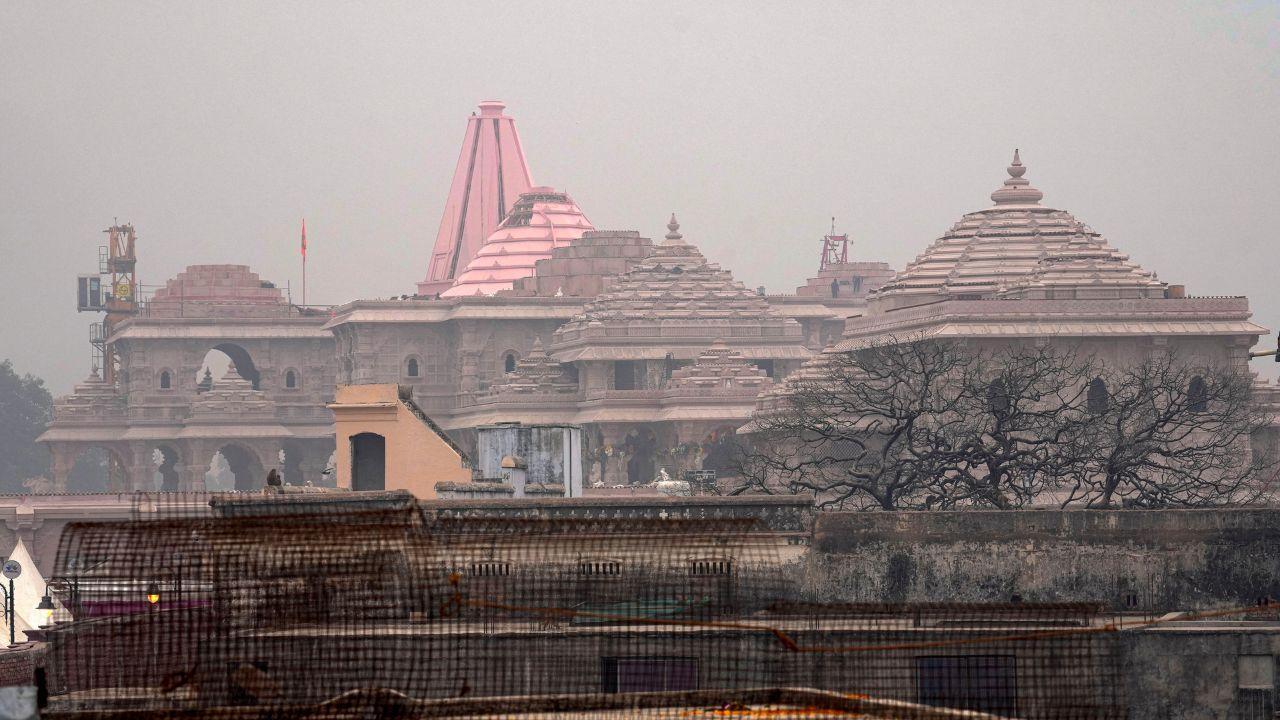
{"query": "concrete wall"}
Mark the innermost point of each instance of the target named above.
(417, 457)
(1202, 671)
(1134, 560)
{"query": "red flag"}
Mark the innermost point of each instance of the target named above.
(304, 237)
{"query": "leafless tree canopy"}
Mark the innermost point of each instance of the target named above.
(927, 424)
(1172, 434)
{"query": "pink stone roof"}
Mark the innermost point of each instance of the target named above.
(1006, 245)
(540, 221)
(218, 284)
(491, 173)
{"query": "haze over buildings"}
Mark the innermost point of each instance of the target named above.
(215, 130)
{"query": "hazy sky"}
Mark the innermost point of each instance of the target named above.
(215, 127)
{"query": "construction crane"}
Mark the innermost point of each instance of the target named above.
(117, 265)
(835, 248)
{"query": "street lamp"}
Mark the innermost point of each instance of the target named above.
(46, 606)
(153, 593)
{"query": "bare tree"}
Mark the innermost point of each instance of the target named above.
(865, 428)
(925, 424)
(1166, 433)
(1020, 407)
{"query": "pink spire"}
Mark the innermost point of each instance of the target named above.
(491, 173)
(540, 221)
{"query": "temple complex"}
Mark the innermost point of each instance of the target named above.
(531, 314)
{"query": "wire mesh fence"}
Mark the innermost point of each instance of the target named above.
(365, 606)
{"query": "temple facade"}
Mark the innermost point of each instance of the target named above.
(170, 414)
(655, 351)
(530, 314)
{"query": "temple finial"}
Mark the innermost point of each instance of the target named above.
(673, 228)
(1017, 190)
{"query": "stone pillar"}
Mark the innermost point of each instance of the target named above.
(191, 477)
(192, 466)
(140, 474)
(1238, 352)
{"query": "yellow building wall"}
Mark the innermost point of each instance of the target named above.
(416, 457)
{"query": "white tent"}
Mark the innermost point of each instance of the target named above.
(28, 588)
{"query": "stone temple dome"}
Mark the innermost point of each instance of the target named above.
(540, 220)
(1015, 244)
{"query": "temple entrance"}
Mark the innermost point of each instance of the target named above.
(368, 462)
(97, 469)
(639, 447)
(235, 467)
(216, 362)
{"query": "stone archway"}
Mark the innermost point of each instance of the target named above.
(219, 356)
(94, 468)
(242, 464)
(167, 460)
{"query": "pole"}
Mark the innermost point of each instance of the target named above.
(12, 639)
(304, 280)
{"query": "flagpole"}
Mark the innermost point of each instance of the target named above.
(304, 262)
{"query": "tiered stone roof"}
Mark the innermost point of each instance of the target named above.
(536, 373)
(676, 281)
(232, 399)
(217, 290)
(540, 221)
(1086, 269)
(815, 369)
(94, 401)
(582, 268)
(673, 298)
(720, 367)
(994, 249)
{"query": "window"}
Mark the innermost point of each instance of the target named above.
(1097, 397)
(648, 674)
(166, 380)
(987, 683)
(1256, 682)
(490, 568)
(509, 363)
(711, 566)
(411, 368)
(624, 375)
(600, 567)
(1197, 395)
(291, 380)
